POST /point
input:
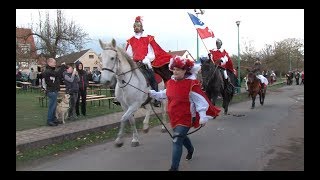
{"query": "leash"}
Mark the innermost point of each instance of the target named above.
(167, 128)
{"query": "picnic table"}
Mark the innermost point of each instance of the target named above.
(25, 85)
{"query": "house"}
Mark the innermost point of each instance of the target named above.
(26, 55)
(88, 58)
(182, 53)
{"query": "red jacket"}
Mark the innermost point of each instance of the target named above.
(140, 50)
(217, 55)
(178, 93)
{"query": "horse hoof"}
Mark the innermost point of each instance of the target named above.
(163, 130)
(134, 144)
(146, 130)
(119, 144)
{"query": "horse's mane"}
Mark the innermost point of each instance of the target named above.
(127, 57)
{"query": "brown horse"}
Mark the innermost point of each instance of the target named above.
(254, 88)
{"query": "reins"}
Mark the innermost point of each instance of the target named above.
(128, 83)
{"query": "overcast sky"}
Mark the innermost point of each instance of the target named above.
(174, 30)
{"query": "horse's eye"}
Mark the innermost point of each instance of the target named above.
(112, 58)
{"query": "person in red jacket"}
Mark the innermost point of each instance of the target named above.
(144, 49)
(188, 106)
(220, 57)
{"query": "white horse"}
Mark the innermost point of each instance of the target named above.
(131, 89)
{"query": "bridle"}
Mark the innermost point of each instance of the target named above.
(115, 65)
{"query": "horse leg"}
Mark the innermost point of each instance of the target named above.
(127, 116)
(164, 115)
(135, 137)
(119, 140)
(145, 128)
(253, 101)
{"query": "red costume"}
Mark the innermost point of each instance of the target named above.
(178, 93)
(140, 50)
(218, 54)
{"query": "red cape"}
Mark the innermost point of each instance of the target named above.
(161, 56)
(212, 110)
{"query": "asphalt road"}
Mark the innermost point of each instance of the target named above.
(267, 138)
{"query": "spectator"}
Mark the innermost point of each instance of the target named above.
(33, 77)
(96, 76)
(52, 87)
(71, 80)
(83, 84)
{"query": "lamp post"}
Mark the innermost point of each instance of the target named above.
(239, 78)
(200, 12)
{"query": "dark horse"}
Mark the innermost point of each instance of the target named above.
(214, 85)
(289, 77)
(254, 88)
(164, 72)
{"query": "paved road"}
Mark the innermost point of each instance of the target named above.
(269, 137)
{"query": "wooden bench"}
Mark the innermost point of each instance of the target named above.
(41, 99)
(99, 91)
(18, 89)
(101, 99)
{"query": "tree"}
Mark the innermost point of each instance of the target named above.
(58, 37)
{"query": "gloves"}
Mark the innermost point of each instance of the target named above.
(147, 62)
(203, 121)
(152, 93)
(224, 60)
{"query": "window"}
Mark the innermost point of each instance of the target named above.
(91, 56)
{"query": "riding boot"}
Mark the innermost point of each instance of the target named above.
(154, 85)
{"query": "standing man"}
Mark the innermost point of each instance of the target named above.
(52, 81)
(143, 48)
(33, 77)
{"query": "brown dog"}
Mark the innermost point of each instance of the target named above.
(62, 110)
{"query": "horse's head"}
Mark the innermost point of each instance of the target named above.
(252, 77)
(109, 61)
(205, 71)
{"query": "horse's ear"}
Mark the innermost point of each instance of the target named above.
(113, 43)
(102, 45)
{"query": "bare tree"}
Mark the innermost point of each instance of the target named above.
(58, 37)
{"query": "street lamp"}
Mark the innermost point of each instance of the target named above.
(239, 81)
(200, 12)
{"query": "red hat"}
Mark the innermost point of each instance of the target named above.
(180, 62)
(138, 20)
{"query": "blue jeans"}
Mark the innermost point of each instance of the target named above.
(181, 140)
(52, 106)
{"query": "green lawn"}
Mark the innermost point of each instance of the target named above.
(29, 113)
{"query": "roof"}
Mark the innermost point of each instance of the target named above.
(23, 37)
(178, 53)
(71, 58)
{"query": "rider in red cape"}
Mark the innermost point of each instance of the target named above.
(220, 57)
(188, 106)
(143, 48)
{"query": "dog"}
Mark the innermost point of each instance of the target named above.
(62, 110)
